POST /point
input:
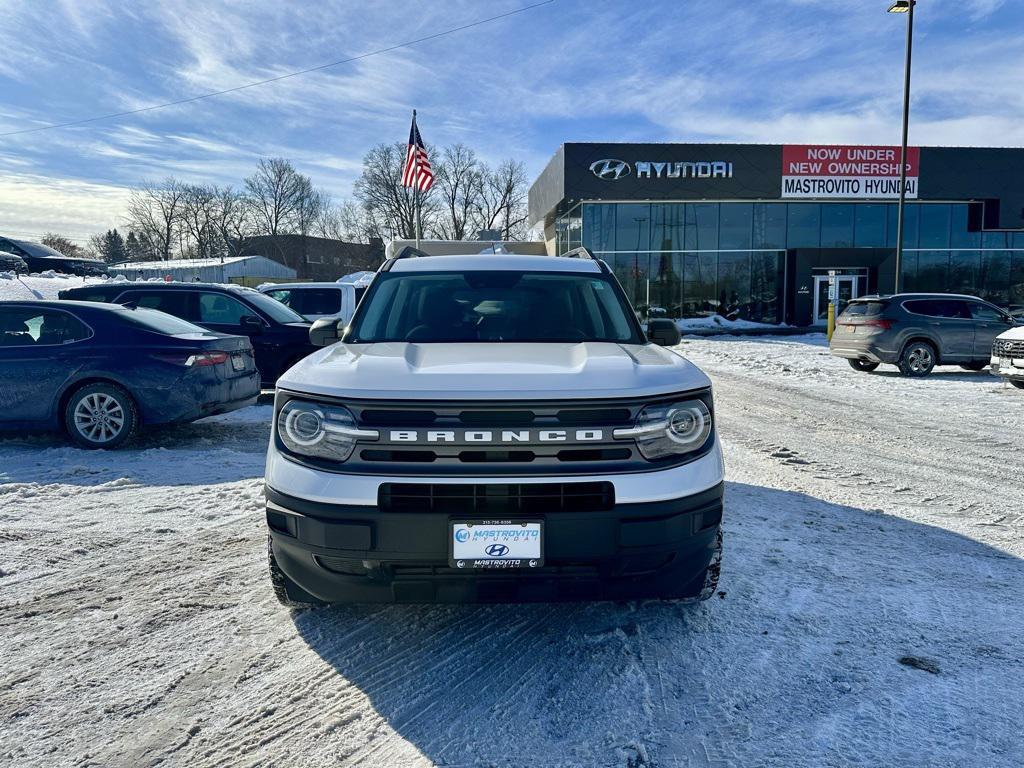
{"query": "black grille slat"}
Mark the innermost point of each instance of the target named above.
(415, 457)
(595, 417)
(497, 418)
(409, 418)
(498, 455)
(485, 499)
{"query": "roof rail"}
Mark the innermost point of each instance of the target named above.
(409, 252)
(579, 253)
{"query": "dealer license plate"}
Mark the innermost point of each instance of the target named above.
(496, 544)
(237, 363)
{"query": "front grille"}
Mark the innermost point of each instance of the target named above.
(526, 452)
(1008, 348)
(496, 499)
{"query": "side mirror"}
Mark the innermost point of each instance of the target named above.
(326, 331)
(252, 323)
(663, 332)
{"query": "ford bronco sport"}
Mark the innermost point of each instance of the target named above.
(493, 428)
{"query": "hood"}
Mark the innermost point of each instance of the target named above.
(1015, 334)
(393, 370)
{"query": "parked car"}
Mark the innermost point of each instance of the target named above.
(494, 427)
(1008, 356)
(42, 258)
(279, 336)
(101, 372)
(10, 262)
(314, 301)
(917, 331)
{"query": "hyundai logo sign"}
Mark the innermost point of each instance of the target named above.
(613, 170)
(610, 170)
(497, 550)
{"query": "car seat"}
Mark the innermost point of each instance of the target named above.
(14, 331)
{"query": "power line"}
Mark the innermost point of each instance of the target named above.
(406, 44)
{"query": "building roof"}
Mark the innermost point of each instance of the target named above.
(494, 262)
(183, 263)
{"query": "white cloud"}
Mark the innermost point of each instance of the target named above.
(33, 205)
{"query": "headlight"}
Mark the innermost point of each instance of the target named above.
(319, 430)
(672, 429)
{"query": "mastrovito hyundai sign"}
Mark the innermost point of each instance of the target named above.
(820, 171)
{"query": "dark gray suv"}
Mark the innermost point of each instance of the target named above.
(917, 331)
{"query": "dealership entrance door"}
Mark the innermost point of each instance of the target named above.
(846, 289)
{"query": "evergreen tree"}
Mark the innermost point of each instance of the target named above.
(133, 248)
(114, 247)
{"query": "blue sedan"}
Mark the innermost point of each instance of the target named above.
(100, 372)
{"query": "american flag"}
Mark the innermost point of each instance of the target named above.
(417, 171)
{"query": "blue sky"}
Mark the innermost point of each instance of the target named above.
(573, 70)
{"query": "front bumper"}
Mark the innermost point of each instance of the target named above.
(330, 538)
(352, 554)
(1008, 368)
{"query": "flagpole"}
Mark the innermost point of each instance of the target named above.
(416, 198)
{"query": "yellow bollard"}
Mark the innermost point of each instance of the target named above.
(831, 319)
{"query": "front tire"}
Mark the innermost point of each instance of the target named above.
(704, 586)
(1018, 384)
(287, 592)
(101, 416)
(918, 359)
(863, 366)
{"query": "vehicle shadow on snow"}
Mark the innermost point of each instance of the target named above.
(797, 661)
(216, 449)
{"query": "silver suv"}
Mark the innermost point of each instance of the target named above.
(917, 331)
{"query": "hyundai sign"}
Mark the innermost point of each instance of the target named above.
(829, 170)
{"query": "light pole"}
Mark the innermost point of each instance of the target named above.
(907, 7)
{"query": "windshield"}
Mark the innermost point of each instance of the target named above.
(274, 308)
(486, 306)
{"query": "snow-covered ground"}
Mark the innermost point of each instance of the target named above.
(870, 519)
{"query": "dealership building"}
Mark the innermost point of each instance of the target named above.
(753, 231)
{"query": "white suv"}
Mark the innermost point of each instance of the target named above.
(337, 301)
(1008, 356)
(492, 428)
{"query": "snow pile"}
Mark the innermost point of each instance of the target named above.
(43, 286)
(719, 323)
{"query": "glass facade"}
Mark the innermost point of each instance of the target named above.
(700, 259)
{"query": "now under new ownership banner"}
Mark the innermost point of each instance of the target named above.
(830, 170)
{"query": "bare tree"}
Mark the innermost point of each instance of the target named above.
(459, 183)
(503, 198)
(276, 193)
(282, 202)
(198, 216)
(155, 212)
(389, 208)
(62, 244)
(233, 219)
